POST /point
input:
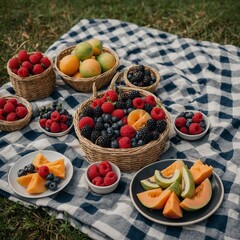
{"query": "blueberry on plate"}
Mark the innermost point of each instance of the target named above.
(57, 180)
(50, 177)
(21, 172)
(53, 186)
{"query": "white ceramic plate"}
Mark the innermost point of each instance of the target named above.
(27, 159)
(188, 217)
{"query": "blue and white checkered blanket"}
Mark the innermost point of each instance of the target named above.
(194, 75)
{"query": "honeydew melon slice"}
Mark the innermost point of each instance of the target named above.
(165, 182)
(176, 187)
(149, 183)
(188, 184)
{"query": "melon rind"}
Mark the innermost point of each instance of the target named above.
(188, 183)
(166, 182)
(149, 183)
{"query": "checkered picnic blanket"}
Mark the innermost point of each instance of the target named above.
(195, 76)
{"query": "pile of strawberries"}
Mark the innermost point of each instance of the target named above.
(102, 174)
(26, 64)
(12, 110)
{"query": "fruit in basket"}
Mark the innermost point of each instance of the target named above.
(69, 65)
(106, 61)
(83, 51)
(90, 68)
(138, 118)
(77, 75)
(97, 46)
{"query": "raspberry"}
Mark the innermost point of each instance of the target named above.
(180, 122)
(27, 65)
(195, 128)
(197, 117)
(119, 113)
(13, 63)
(150, 100)
(93, 171)
(45, 62)
(138, 103)
(55, 116)
(110, 178)
(48, 123)
(42, 122)
(55, 127)
(98, 102)
(37, 69)
(184, 130)
(86, 121)
(158, 113)
(2, 112)
(12, 116)
(98, 181)
(124, 120)
(111, 95)
(9, 107)
(21, 112)
(23, 72)
(34, 58)
(13, 101)
(39, 54)
(107, 107)
(63, 127)
(2, 102)
(2, 117)
(63, 118)
(124, 142)
(15, 70)
(23, 56)
(127, 131)
(43, 171)
(104, 168)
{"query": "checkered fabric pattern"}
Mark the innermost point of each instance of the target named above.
(194, 76)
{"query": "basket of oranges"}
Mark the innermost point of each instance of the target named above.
(86, 63)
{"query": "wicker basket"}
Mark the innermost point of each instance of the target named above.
(36, 86)
(18, 124)
(150, 88)
(85, 84)
(128, 160)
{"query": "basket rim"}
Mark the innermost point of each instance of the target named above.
(87, 80)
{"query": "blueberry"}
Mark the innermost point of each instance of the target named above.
(47, 129)
(50, 177)
(106, 125)
(189, 114)
(69, 123)
(114, 144)
(115, 126)
(130, 110)
(181, 114)
(189, 121)
(21, 172)
(203, 124)
(134, 144)
(47, 183)
(53, 186)
(110, 130)
(57, 179)
(120, 123)
(114, 119)
(100, 119)
(117, 133)
(140, 142)
(30, 168)
(107, 118)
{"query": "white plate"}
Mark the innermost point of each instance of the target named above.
(27, 159)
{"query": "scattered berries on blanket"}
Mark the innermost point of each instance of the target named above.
(127, 131)
(158, 113)
(110, 178)
(104, 168)
(43, 171)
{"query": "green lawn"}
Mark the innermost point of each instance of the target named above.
(35, 25)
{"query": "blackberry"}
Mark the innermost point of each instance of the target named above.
(104, 141)
(124, 96)
(120, 105)
(94, 135)
(148, 107)
(134, 94)
(147, 80)
(137, 76)
(86, 131)
(161, 125)
(140, 68)
(144, 134)
(129, 103)
(88, 111)
(154, 135)
(151, 124)
(147, 72)
(97, 111)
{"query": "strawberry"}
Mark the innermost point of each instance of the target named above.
(13, 101)
(9, 107)
(27, 65)
(39, 54)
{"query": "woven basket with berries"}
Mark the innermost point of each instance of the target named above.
(15, 113)
(126, 126)
(80, 66)
(143, 77)
(32, 75)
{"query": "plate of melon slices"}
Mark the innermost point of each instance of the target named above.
(29, 178)
(176, 192)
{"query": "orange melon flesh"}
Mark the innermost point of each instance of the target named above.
(25, 180)
(155, 198)
(36, 185)
(57, 168)
(200, 171)
(39, 160)
(172, 207)
(202, 196)
(169, 171)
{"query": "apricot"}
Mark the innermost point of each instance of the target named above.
(69, 65)
(96, 45)
(106, 60)
(138, 118)
(77, 75)
(83, 51)
(90, 68)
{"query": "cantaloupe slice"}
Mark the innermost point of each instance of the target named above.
(36, 185)
(169, 171)
(25, 180)
(39, 160)
(172, 207)
(200, 171)
(57, 168)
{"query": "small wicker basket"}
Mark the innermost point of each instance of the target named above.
(85, 84)
(150, 88)
(18, 124)
(36, 86)
(128, 160)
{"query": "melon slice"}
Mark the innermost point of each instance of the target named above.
(36, 185)
(172, 207)
(39, 160)
(25, 180)
(188, 184)
(201, 197)
(155, 198)
(57, 168)
(200, 171)
(149, 183)
(168, 172)
(176, 187)
(165, 182)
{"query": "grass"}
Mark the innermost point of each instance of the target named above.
(35, 25)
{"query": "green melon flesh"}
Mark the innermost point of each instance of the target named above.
(149, 183)
(165, 182)
(188, 184)
(176, 187)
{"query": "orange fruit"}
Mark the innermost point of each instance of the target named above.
(90, 68)
(69, 65)
(96, 45)
(77, 75)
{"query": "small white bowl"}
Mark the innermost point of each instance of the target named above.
(104, 189)
(189, 136)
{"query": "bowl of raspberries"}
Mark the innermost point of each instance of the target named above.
(55, 120)
(191, 125)
(103, 177)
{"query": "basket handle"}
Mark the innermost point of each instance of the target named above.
(94, 90)
(117, 77)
